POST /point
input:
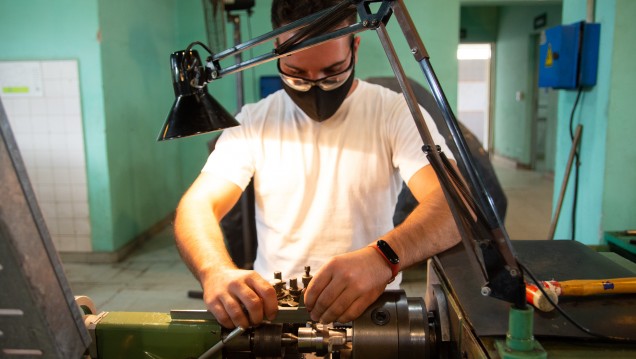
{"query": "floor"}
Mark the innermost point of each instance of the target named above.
(155, 279)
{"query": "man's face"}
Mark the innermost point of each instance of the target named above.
(320, 61)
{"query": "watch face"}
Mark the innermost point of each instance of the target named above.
(388, 252)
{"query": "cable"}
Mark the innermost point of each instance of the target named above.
(567, 316)
(200, 44)
(576, 165)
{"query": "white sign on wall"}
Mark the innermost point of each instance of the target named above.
(20, 79)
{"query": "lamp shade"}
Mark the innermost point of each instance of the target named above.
(194, 111)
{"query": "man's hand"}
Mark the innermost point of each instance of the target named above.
(238, 297)
(346, 285)
(235, 297)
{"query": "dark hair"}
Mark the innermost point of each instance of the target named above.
(286, 11)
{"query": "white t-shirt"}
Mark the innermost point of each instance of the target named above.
(321, 188)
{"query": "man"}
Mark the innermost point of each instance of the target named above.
(328, 154)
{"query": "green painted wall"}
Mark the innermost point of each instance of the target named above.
(437, 22)
(606, 192)
(619, 194)
(514, 72)
(480, 23)
(136, 36)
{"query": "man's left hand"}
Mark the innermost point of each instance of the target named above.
(346, 286)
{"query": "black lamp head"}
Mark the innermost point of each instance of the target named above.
(194, 111)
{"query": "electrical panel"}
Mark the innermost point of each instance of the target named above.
(269, 85)
(568, 56)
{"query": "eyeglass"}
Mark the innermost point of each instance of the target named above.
(326, 83)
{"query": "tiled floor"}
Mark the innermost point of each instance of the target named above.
(153, 278)
(529, 197)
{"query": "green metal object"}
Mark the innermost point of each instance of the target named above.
(623, 243)
(520, 342)
(148, 335)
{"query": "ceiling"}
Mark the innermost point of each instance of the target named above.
(508, 2)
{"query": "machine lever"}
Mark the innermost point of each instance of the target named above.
(218, 346)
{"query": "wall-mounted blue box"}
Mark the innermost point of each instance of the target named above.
(568, 56)
(269, 85)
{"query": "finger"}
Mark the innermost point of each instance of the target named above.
(253, 304)
(356, 308)
(267, 293)
(253, 307)
(218, 311)
(235, 311)
(339, 306)
(318, 283)
(327, 298)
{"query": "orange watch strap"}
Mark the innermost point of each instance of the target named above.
(395, 268)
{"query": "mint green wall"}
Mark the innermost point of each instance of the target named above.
(66, 29)
(514, 71)
(135, 38)
(619, 194)
(480, 23)
(437, 22)
(606, 187)
(591, 113)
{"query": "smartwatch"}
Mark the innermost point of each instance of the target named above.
(389, 256)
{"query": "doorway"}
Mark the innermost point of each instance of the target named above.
(473, 98)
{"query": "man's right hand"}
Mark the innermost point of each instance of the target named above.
(238, 297)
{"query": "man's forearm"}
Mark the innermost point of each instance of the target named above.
(199, 238)
(428, 230)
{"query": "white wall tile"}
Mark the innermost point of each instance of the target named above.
(40, 123)
(68, 69)
(18, 107)
(53, 88)
(83, 243)
(55, 106)
(37, 106)
(65, 242)
(21, 124)
(64, 210)
(48, 129)
(71, 107)
(70, 89)
(80, 210)
(45, 192)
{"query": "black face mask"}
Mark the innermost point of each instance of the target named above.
(317, 103)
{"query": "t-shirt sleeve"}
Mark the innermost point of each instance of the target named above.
(232, 158)
(407, 144)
